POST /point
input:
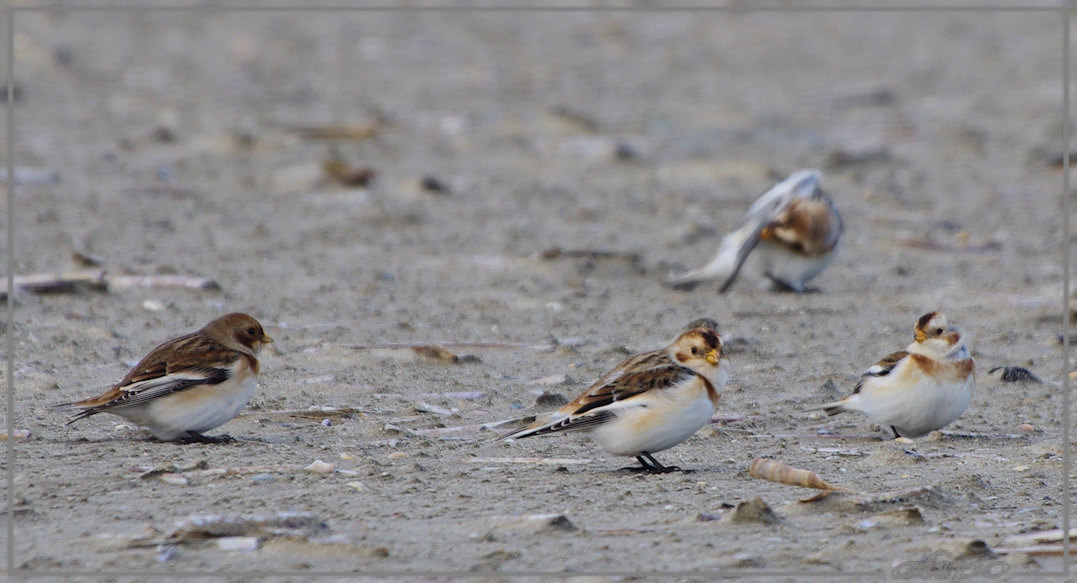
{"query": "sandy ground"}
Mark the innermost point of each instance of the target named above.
(629, 141)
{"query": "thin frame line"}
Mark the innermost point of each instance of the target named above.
(9, 12)
(730, 573)
(1066, 508)
(463, 574)
(9, 192)
(539, 8)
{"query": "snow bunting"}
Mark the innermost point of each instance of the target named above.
(188, 385)
(788, 237)
(919, 389)
(649, 402)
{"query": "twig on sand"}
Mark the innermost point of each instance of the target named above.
(549, 345)
(443, 431)
(515, 420)
(813, 435)
(970, 435)
(119, 282)
(836, 451)
(960, 248)
(312, 412)
(438, 431)
(1035, 550)
(100, 280)
(354, 131)
(729, 418)
(43, 283)
(199, 470)
(1043, 542)
(346, 174)
(424, 407)
(633, 259)
(560, 461)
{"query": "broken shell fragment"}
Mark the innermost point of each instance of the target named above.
(775, 471)
(320, 467)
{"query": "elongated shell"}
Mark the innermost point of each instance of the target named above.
(776, 471)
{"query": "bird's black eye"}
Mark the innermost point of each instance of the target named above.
(252, 332)
(695, 350)
(938, 331)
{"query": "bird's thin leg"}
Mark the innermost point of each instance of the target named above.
(655, 467)
(896, 434)
(642, 467)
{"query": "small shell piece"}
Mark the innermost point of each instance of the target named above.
(320, 467)
(775, 471)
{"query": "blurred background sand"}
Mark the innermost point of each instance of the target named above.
(526, 180)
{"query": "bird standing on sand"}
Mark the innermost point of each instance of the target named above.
(649, 402)
(917, 390)
(187, 385)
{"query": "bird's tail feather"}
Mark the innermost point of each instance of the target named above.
(688, 281)
(831, 409)
(82, 411)
(720, 268)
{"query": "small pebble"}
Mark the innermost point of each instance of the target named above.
(320, 467)
(17, 434)
(752, 511)
(263, 478)
(1015, 374)
(548, 399)
(153, 305)
(326, 422)
(432, 184)
(238, 543)
(746, 560)
(1024, 428)
(165, 554)
(625, 151)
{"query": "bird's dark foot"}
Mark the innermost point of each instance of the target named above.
(649, 464)
(195, 437)
(681, 285)
(785, 287)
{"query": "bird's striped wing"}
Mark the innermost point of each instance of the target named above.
(598, 404)
(882, 368)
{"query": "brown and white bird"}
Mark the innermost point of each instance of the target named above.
(649, 402)
(787, 237)
(187, 385)
(917, 390)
